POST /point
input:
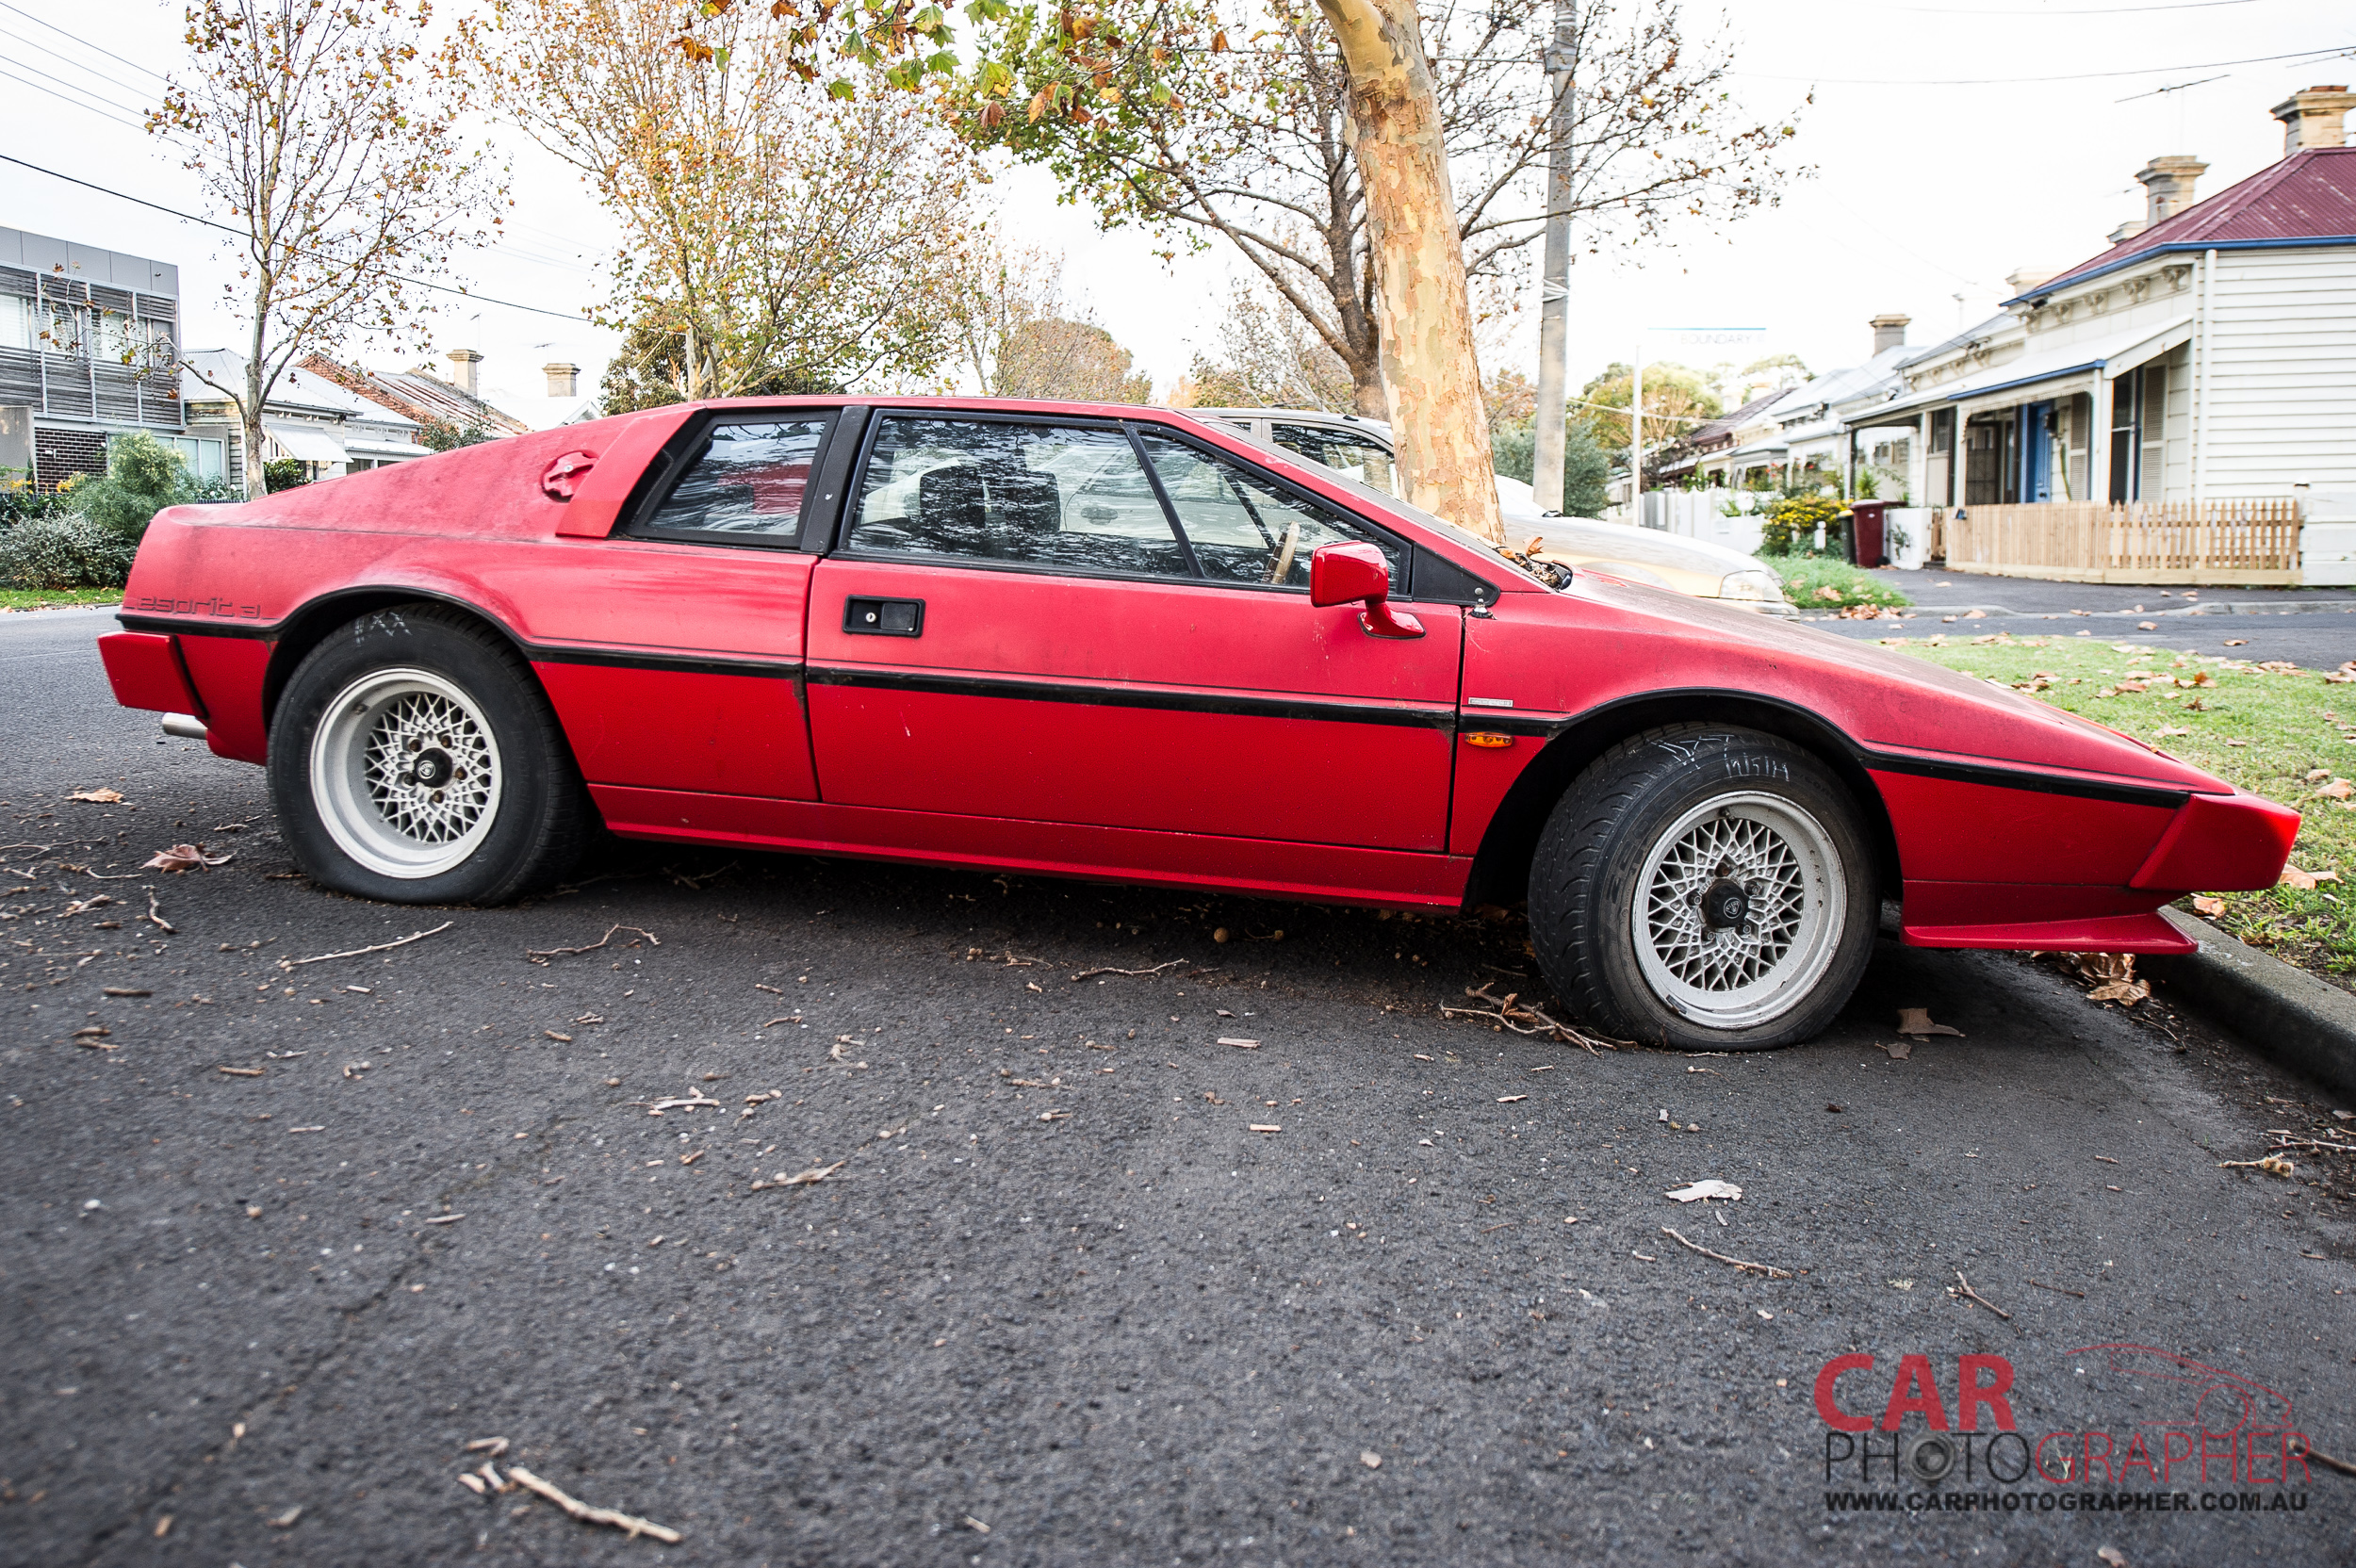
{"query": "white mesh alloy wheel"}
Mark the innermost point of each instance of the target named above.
(1738, 911)
(405, 773)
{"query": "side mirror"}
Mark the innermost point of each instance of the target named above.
(1354, 573)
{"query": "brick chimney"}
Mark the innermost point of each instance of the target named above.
(1890, 330)
(2169, 179)
(564, 380)
(2316, 117)
(462, 372)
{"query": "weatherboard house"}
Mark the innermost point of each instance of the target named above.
(2205, 359)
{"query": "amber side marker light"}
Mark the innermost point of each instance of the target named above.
(1488, 738)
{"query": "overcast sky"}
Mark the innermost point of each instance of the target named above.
(1950, 144)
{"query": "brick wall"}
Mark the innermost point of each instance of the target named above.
(60, 455)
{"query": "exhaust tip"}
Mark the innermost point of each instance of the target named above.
(186, 725)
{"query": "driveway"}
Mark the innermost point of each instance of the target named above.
(287, 1234)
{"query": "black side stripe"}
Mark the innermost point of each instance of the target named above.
(1999, 777)
(1441, 719)
(677, 664)
(1988, 774)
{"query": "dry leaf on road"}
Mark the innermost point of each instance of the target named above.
(1712, 1188)
(2306, 881)
(1902, 1051)
(2203, 905)
(99, 797)
(1917, 1020)
(182, 858)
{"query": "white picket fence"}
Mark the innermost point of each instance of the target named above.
(1702, 515)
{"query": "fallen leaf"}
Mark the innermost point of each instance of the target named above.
(1902, 1051)
(1829, 593)
(2112, 1556)
(2236, 642)
(1917, 1020)
(1371, 1459)
(1508, 1099)
(2203, 905)
(2167, 729)
(1240, 1045)
(2237, 743)
(2306, 881)
(182, 858)
(1712, 1188)
(2125, 992)
(551, 1034)
(101, 797)
(2339, 788)
(1267, 1127)
(286, 1520)
(2147, 626)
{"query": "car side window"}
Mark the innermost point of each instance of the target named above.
(748, 480)
(1361, 457)
(1244, 528)
(1063, 496)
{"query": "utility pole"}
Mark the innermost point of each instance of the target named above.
(1554, 311)
(1636, 436)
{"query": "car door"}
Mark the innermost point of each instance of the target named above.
(679, 667)
(1015, 627)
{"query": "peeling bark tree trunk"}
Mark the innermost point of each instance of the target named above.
(1429, 368)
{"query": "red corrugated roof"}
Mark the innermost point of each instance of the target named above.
(2308, 195)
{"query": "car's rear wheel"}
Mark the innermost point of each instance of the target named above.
(415, 760)
(1704, 888)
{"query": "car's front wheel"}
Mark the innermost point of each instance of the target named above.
(414, 759)
(1704, 888)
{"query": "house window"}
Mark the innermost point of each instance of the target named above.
(2138, 416)
(16, 323)
(202, 458)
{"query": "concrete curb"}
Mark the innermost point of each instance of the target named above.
(2285, 1015)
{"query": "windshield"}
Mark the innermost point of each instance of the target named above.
(1544, 573)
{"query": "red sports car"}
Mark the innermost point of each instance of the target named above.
(1122, 643)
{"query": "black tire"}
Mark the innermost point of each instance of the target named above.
(512, 820)
(1757, 917)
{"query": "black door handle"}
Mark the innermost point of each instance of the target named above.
(884, 617)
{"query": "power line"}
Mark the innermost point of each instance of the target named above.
(75, 87)
(2173, 87)
(68, 59)
(2318, 55)
(191, 218)
(75, 102)
(84, 42)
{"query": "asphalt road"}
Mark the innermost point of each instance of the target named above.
(1056, 1284)
(2315, 627)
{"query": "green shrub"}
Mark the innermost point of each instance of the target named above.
(1790, 525)
(143, 476)
(65, 551)
(21, 502)
(1585, 466)
(284, 473)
